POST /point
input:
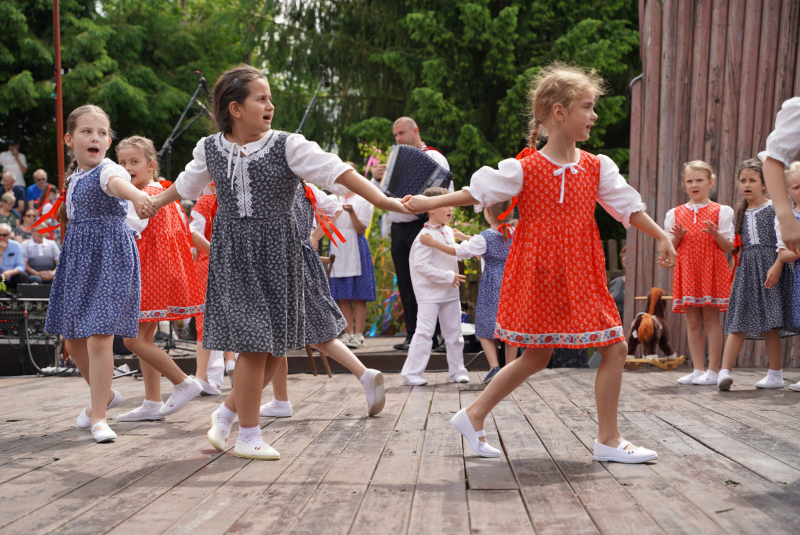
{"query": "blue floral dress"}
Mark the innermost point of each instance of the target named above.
(96, 289)
(494, 260)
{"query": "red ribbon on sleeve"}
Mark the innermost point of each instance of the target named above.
(322, 217)
(527, 151)
(737, 242)
(52, 213)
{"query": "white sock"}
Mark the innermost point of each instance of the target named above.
(250, 435)
(225, 418)
(723, 372)
(776, 375)
(711, 374)
(697, 373)
(185, 384)
(152, 405)
(280, 404)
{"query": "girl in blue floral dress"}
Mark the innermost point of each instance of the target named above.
(95, 293)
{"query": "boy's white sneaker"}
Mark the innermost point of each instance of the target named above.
(414, 380)
(276, 409)
(183, 394)
(461, 378)
(84, 422)
(770, 382)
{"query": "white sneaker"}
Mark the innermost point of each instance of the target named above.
(359, 339)
(769, 382)
(414, 380)
(140, 414)
(705, 379)
(277, 409)
(795, 386)
(461, 422)
(621, 455)
(258, 450)
(183, 394)
(84, 422)
(461, 378)
(724, 382)
(372, 381)
(349, 340)
(208, 388)
(687, 379)
(671, 357)
(102, 433)
(214, 436)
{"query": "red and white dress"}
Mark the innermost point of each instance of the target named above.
(170, 287)
(554, 291)
(203, 213)
(702, 276)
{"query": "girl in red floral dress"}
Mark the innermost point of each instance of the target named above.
(554, 291)
(702, 232)
(170, 287)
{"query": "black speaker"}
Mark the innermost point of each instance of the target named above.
(119, 346)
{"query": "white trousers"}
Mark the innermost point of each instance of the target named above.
(216, 368)
(419, 352)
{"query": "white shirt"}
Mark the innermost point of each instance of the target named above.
(305, 158)
(782, 245)
(725, 223)
(139, 225)
(9, 163)
(432, 271)
(48, 249)
(110, 169)
(475, 246)
(489, 186)
(783, 144)
(437, 157)
(348, 254)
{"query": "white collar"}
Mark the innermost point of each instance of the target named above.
(759, 208)
(237, 152)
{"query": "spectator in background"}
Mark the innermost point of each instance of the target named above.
(17, 191)
(21, 233)
(40, 256)
(12, 264)
(13, 160)
(37, 192)
(8, 214)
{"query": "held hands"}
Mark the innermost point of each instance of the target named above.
(393, 205)
(146, 206)
(416, 204)
(666, 252)
(459, 280)
(679, 232)
(460, 236)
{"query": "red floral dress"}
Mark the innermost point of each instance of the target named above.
(170, 287)
(702, 275)
(554, 290)
(206, 206)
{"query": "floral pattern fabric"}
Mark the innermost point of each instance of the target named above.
(494, 262)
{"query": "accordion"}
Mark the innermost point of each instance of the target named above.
(410, 172)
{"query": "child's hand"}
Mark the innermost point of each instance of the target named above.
(666, 252)
(711, 229)
(458, 280)
(393, 205)
(145, 205)
(790, 234)
(460, 236)
(416, 204)
(426, 239)
(347, 207)
(773, 276)
(678, 231)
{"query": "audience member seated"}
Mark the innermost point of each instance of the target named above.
(17, 191)
(36, 195)
(40, 256)
(21, 232)
(12, 265)
(8, 214)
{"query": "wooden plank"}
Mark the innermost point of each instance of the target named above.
(634, 180)
(699, 86)
(391, 491)
(786, 57)
(498, 511)
(765, 89)
(734, 42)
(715, 81)
(748, 83)
(484, 473)
(440, 504)
(553, 506)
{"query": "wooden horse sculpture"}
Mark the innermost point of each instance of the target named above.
(650, 330)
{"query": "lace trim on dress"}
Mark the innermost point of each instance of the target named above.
(241, 164)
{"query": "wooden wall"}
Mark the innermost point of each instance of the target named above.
(715, 73)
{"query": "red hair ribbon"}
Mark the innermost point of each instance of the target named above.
(737, 242)
(504, 226)
(52, 213)
(322, 217)
(527, 151)
(510, 209)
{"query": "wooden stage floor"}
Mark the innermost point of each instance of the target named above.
(729, 462)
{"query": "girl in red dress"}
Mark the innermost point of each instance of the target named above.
(702, 232)
(554, 291)
(170, 288)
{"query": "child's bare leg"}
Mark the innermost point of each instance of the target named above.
(489, 346)
(203, 355)
(254, 369)
(733, 345)
(607, 386)
(694, 324)
(346, 306)
(271, 369)
(156, 357)
(100, 350)
(505, 382)
(360, 314)
(339, 352)
(152, 382)
(230, 356)
(280, 382)
(714, 335)
(79, 354)
(773, 342)
(511, 353)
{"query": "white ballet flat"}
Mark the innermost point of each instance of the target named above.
(414, 380)
(724, 382)
(795, 386)
(83, 420)
(214, 436)
(259, 450)
(372, 381)
(461, 422)
(461, 378)
(621, 455)
(103, 433)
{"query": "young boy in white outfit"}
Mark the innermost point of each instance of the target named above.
(435, 278)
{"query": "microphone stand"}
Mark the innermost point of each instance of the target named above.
(323, 79)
